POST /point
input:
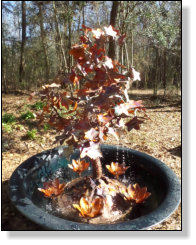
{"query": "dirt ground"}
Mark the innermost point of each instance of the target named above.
(159, 137)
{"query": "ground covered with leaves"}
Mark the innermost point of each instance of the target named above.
(21, 139)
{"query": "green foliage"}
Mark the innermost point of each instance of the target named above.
(7, 127)
(38, 105)
(64, 113)
(46, 126)
(31, 134)
(28, 115)
(162, 22)
(8, 118)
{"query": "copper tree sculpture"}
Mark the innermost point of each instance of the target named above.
(99, 106)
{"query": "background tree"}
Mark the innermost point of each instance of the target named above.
(40, 40)
(23, 43)
(113, 15)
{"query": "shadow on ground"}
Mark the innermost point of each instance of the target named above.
(155, 101)
(176, 151)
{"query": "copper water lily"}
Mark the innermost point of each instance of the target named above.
(88, 208)
(116, 169)
(136, 193)
(52, 188)
(78, 166)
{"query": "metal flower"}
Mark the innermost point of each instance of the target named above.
(116, 169)
(53, 188)
(88, 208)
(136, 193)
(78, 166)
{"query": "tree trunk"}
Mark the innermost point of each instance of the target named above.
(22, 60)
(43, 38)
(156, 72)
(69, 43)
(4, 67)
(97, 168)
(160, 66)
(131, 48)
(164, 72)
(127, 55)
(96, 4)
(4, 87)
(83, 15)
(111, 52)
(145, 80)
(70, 56)
(122, 56)
(177, 74)
(59, 39)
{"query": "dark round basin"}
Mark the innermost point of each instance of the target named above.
(145, 170)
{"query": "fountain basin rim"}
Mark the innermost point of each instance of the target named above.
(51, 222)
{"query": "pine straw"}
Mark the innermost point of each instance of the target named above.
(159, 137)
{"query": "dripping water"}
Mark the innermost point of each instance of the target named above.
(127, 157)
(117, 153)
(124, 179)
(123, 156)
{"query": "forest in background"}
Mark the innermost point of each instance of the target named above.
(37, 37)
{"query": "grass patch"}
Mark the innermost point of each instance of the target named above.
(28, 115)
(8, 118)
(31, 134)
(38, 105)
(46, 126)
(7, 127)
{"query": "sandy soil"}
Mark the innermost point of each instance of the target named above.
(159, 137)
